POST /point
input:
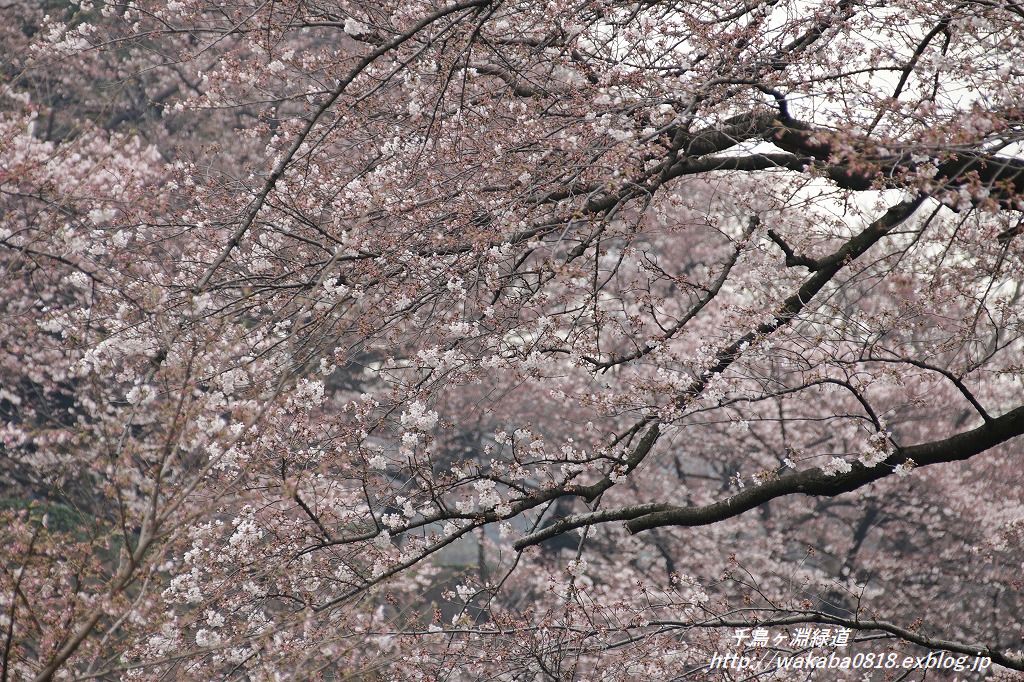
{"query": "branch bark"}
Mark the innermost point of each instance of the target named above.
(639, 518)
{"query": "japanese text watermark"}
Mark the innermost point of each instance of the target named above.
(761, 652)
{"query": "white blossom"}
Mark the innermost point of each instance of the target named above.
(576, 567)
(835, 466)
(418, 417)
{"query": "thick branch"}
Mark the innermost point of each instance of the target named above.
(793, 259)
(959, 447)
(643, 517)
(861, 169)
(1004, 177)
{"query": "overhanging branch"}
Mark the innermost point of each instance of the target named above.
(815, 482)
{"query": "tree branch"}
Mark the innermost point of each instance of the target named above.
(793, 259)
(959, 447)
(815, 482)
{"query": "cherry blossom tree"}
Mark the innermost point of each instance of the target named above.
(522, 340)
